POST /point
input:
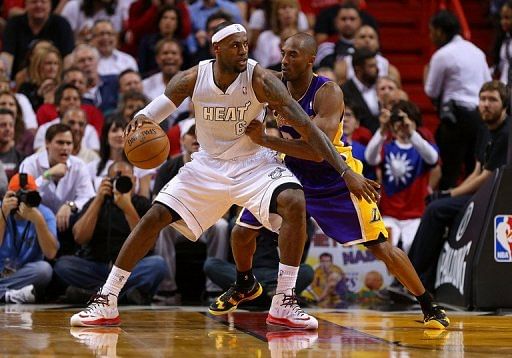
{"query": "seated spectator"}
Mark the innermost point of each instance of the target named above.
(169, 23)
(44, 76)
(405, 161)
(347, 21)
(111, 150)
(23, 137)
(350, 126)
(102, 91)
(444, 206)
(50, 111)
(28, 235)
(265, 266)
(284, 18)
(63, 180)
(37, 23)
(130, 103)
(503, 47)
(361, 89)
(260, 20)
(142, 20)
(76, 120)
(22, 75)
(101, 229)
(366, 36)
(112, 61)
(82, 14)
(130, 80)
(27, 112)
(216, 237)
(67, 97)
(9, 156)
(203, 43)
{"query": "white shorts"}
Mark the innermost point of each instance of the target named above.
(205, 188)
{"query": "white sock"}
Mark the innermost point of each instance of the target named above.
(286, 278)
(115, 281)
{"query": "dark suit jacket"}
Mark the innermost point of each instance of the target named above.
(352, 95)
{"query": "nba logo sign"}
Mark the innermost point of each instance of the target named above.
(503, 238)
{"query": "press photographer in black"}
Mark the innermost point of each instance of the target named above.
(101, 229)
(28, 233)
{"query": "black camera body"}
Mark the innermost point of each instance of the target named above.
(396, 117)
(122, 183)
(31, 198)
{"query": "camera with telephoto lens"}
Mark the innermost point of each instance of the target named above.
(396, 117)
(122, 183)
(31, 198)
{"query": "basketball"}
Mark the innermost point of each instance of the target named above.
(147, 147)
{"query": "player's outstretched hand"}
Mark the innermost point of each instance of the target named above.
(136, 123)
(361, 187)
(255, 131)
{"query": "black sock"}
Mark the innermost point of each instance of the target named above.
(245, 279)
(425, 301)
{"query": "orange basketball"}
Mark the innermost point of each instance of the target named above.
(147, 147)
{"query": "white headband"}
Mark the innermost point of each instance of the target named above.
(227, 31)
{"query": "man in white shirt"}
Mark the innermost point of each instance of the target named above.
(112, 61)
(456, 72)
(63, 180)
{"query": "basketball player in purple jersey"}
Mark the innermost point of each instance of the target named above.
(341, 215)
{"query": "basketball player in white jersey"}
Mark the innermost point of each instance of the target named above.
(228, 93)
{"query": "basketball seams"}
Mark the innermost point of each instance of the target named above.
(167, 147)
(146, 141)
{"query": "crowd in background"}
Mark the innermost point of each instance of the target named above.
(73, 73)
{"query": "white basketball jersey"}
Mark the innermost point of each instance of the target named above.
(221, 117)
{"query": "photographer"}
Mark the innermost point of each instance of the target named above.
(27, 233)
(103, 226)
(406, 159)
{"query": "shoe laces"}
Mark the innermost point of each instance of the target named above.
(292, 302)
(232, 292)
(437, 312)
(95, 301)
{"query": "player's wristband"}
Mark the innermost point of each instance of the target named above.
(47, 175)
(158, 109)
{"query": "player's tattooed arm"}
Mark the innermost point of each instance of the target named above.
(181, 85)
(271, 90)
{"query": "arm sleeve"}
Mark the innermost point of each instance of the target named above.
(372, 154)
(426, 150)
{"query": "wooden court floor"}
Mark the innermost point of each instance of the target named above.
(189, 332)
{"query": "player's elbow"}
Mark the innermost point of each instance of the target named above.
(316, 157)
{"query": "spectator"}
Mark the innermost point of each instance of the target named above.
(102, 91)
(129, 81)
(67, 97)
(102, 227)
(204, 8)
(502, 52)
(216, 237)
(491, 153)
(44, 76)
(23, 137)
(111, 150)
(142, 20)
(405, 162)
(203, 45)
(37, 23)
(284, 18)
(27, 112)
(169, 23)
(361, 89)
(63, 181)
(347, 21)
(130, 103)
(82, 14)
(28, 235)
(9, 156)
(259, 22)
(76, 119)
(3, 180)
(366, 36)
(112, 61)
(50, 111)
(265, 267)
(456, 72)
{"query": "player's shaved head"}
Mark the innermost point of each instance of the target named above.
(304, 42)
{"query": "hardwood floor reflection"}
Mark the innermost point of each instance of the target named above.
(177, 332)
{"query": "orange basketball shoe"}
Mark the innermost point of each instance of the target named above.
(101, 311)
(286, 312)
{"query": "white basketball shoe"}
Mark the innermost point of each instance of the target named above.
(101, 311)
(101, 340)
(288, 343)
(286, 312)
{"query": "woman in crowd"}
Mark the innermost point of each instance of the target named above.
(23, 137)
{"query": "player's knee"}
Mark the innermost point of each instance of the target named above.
(382, 251)
(242, 235)
(291, 204)
(157, 217)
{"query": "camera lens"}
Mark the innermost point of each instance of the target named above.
(123, 184)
